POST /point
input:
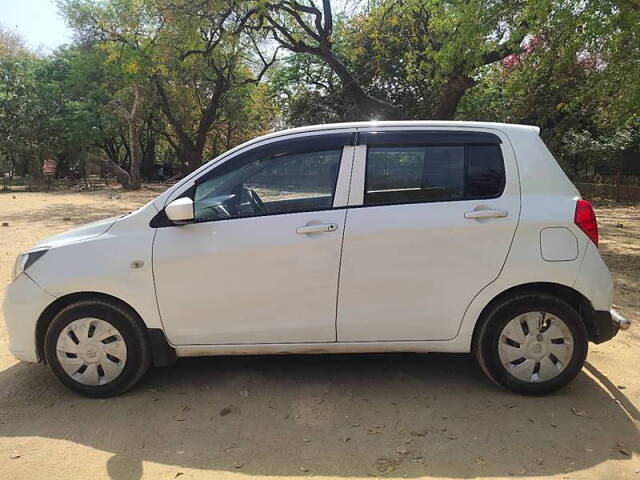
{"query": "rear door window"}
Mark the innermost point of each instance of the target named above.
(485, 171)
(432, 173)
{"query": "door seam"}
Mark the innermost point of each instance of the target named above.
(344, 229)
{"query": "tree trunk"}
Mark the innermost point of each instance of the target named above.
(36, 171)
(133, 124)
(450, 97)
(189, 155)
(190, 151)
(193, 159)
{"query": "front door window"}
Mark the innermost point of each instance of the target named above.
(289, 183)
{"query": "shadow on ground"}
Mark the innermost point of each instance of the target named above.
(341, 415)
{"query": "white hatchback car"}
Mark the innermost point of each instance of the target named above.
(357, 237)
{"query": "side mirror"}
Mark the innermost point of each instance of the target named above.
(180, 211)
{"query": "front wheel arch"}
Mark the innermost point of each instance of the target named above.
(162, 352)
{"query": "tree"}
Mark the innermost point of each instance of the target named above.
(309, 92)
(11, 44)
(401, 54)
(127, 31)
(248, 110)
(18, 108)
(177, 81)
(305, 28)
(575, 80)
(203, 59)
(29, 112)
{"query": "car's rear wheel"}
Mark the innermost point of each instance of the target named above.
(97, 348)
(531, 343)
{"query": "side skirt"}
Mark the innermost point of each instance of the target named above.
(456, 345)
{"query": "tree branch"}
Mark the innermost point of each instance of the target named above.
(508, 48)
(328, 18)
(168, 111)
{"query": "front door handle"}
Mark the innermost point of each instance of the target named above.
(319, 228)
(481, 214)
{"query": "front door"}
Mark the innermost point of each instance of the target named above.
(260, 263)
(433, 226)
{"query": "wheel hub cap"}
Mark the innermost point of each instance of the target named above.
(535, 346)
(536, 349)
(91, 351)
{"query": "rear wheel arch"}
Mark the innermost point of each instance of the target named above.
(579, 302)
(527, 354)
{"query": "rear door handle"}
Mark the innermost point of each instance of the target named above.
(319, 228)
(480, 214)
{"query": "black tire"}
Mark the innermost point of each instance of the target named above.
(132, 331)
(487, 337)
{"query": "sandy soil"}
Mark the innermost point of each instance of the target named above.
(395, 416)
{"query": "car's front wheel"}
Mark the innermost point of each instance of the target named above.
(531, 343)
(97, 348)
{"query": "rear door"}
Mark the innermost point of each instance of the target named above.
(430, 222)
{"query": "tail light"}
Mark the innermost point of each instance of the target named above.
(585, 219)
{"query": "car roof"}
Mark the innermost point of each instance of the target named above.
(401, 123)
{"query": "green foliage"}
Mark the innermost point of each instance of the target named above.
(77, 102)
(126, 30)
(408, 50)
(308, 92)
(20, 106)
(579, 85)
(570, 67)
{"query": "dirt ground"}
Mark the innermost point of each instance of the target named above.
(343, 416)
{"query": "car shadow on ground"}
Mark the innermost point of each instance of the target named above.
(338, 415)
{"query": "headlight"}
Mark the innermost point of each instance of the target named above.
(27, 259)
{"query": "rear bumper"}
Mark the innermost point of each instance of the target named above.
(606, 324)
(618, 319)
